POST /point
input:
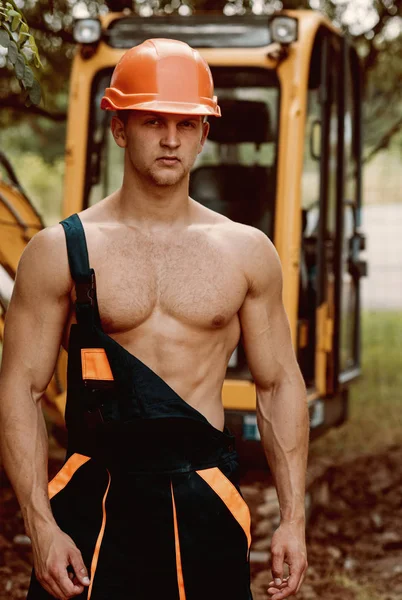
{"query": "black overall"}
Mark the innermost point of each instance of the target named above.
(149, 490)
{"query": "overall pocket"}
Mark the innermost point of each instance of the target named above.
(229, 494)
(101, 403)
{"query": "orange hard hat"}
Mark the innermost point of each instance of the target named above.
(162, 75)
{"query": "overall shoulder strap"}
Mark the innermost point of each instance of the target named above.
(76, 248)
(86, 307)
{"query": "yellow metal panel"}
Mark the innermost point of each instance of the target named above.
(329, 335)
(239, 395)
(13, 235)
(293, 74)
(303, 334)
(321, 350)
(60, 402)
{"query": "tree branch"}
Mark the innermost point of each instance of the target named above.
(384, 141)
(14, 103)
(62, 33)
(386, 101)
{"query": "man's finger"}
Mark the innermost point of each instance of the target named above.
(283, 580)
(52, 584)
(284, 592)
(276, 589)
(277, 565)
(68, 587)
(293, 583)
(296, 572)
(79, 567)
(302, 578)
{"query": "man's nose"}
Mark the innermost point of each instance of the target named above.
(171, 136)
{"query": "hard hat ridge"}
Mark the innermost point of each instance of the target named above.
(162, 75)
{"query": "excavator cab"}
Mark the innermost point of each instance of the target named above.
(285, 157)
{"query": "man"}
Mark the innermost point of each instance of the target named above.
(148, 503)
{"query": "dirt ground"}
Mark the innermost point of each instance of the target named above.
(354, 534)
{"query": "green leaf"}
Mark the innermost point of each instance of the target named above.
(15, 22)
(35, 93)
(20, 67)
(4, 39)
(35, 50)
(12, 52)
(24, 37)
(14, 13)
(33, 45)
(24, 29)
(28, 77)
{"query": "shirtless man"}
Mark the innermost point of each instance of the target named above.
(177, 284)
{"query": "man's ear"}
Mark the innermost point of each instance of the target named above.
(118, 131)
(205, 131)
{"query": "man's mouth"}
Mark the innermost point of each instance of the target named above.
(168, 160)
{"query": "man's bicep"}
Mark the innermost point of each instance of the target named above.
(264, 323)
(37, 314)
(266, 339)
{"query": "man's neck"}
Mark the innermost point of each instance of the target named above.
(153, 207)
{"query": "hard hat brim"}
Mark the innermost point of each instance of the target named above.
(210, 108)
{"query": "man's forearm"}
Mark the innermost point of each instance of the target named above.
(24, 451)
(283, 422)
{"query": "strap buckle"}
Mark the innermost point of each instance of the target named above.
(85, 291)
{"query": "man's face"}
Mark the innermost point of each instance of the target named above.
(161, 147)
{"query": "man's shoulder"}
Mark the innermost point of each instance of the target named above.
(251, 248)
(44, 259)
(50, 239)
(245, 237)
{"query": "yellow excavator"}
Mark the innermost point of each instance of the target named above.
(285, 157)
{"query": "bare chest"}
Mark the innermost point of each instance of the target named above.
(191, 278)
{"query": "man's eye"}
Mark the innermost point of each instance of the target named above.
(188, 124)
(152, 122)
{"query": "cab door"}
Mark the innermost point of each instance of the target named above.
(320, 188)
(350, 267)
(328, 345)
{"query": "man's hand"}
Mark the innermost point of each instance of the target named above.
(53, 552)
(288, 546)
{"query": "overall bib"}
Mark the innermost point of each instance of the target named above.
(149, 490)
